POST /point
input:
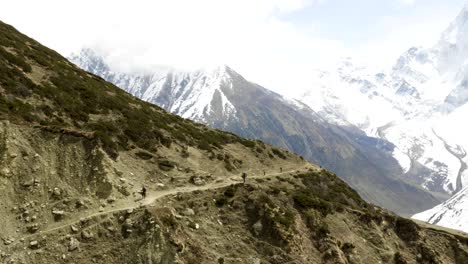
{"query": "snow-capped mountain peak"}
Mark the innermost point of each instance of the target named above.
(410, 105)
(198, 94)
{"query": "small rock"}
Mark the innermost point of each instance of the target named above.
(58, 212)
(34, 244)
(160, 184)
(178, 216)
(56, 192)
(101, 209)
(257, 227)
(7, 241)
(28, 183)
(74, 244)
(188, 212)
(194, 225)
(6, 172)
(86, 234)
(128, 223)
(197, 180)
(130, 211)
(74, 229)
(32, 228)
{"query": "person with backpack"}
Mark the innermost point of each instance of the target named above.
(244, 176)
(143, 192)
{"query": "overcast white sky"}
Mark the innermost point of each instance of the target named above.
(272, 42)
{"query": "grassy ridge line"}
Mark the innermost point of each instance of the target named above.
(67, 98)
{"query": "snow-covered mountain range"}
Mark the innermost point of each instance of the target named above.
(400, 129)
(453, 213)
(419, 105)
(221, 98)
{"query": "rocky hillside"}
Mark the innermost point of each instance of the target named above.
(76, 150)
(223, 99)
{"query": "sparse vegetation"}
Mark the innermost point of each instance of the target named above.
(144, 155)
(230, 192)
(406, 229)
(399, 259)
(274, 222)
(278, 153)
(306, 200)
(221, 201)
(166, 165)
(68, 97)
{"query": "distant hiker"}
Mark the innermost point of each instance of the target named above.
(143, 192)
(264, 173)
(244, 176)
(281, 169)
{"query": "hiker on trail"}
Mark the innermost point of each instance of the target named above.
(244, 176)
(143, 192)
(281, 169)
(263, 172)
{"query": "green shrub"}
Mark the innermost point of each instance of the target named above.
(399, 259)
(406, 229)
(166, 165)
(285, 218)
(426, 255)
(306, 200)
(278, 153)
(322, 231)
(347, 248)
(461, 256)
(221, 201)
(230, 192)
(248, 143)
(144, 155)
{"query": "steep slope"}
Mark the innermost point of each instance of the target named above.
(223, 99)
(71, 163)
(453, 213)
